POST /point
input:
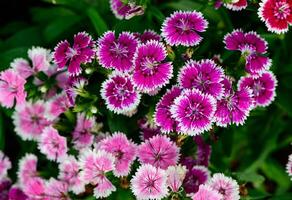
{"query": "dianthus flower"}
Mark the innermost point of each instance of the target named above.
(147, 128)
(27, 168)
(289, 166)
(125, 10)
(195, 177)
(207, 193)
(5, 165)
(175, 176)
(147, 35)
(56, 190)
(236, 5)
(57, 105)
(35, 188)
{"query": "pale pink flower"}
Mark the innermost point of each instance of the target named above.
(56, 190)
(27, 168)
(57, 105)
(175, 176)
(207, 193)
(5, 165)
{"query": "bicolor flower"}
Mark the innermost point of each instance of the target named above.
(125, 10)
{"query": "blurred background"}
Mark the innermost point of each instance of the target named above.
(255, 153)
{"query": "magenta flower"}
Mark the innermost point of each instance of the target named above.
(147, 35)
(207, 193)
(263, 88)
(117, 53)
(193, 111)
(204, 75)
(27, 168)
(162, 116)
(5, 165)
(236, 5)
(123, 150)
(16, 193)
(175, 176)
(57, 105)
(52, 144)
(235, 106)
(95, 165)
(81, 52)
(69, 173)
(151, 71)
(147, 128)
(253, 47)
(125, 10)
(149, 183)
(159, 151)
(289, 166)
(119, 94)
(5, 187)
(226, 186)
(195, 177)
(203, 153)
(276, 14)
(11, 88)
(82, 134)
(35, 188)
(182, 28)
(29, 120)
(56, 190)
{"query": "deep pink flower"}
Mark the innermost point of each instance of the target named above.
(16, 193)
(147, 35)
(182, 28)
(277, 15)
(263, 87)
(253, 47)
(56, 190)
(125, 10)
(29, 120)
(124, 151)
(289, 166)
(35, 189)
(162, 114)
(117, 53)
(149, 183)
(5, 165)
(175, 176)
(236, 5)
(147, 128)
(52, 144)
(69, 173)
(204, 75)
(95, 164)
(159, 151)
(27, 168)
(57, 105)
(195, 177)
(207, 193)
(5, 185)
(151, 71)
(193, 111)
(235, 106)
(11, 88)
(82, 134)
(119, 94)
(226, 186)
(81, 52)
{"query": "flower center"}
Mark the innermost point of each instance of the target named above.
(257, 89)
(119, 50)
(183, 26)
(281, 10)
(71, 52)
(247, 50)
(149, 65)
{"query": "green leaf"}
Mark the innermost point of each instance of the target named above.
(251, 177)
(97, 21)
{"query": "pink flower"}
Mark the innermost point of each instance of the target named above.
(226, 186)
(82, 134)
(40, 58)
(277, 15)
(151, 71)
(123, 150)
(195, 177)
(193, 111)
(22, 67)
(289, 166)
(95, 165)
(182, 28)
(57, 105)
(147, 35)
(149, 183)
(175, 176)
(56, 190)
(69, 173)
(119, 94)
(162, 116)
(11, 88)
(5, 165)
(81, 52)
(27, 168)
(29, 120)
(204, 75)
(207, 193)
(253, 47)
(263, 88)
(52, 144)
(35, 189)
(235, 106)
(125, 10)
(117, 53)
(236, 5)
(159, 151)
